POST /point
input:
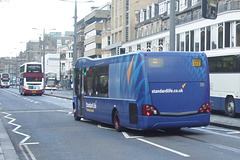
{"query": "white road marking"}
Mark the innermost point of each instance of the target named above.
(164, 148)
(107, 128)
(228, 131)
(233, 132)
(27, 99)
(154, 144)
(216, 133)
(129, 137)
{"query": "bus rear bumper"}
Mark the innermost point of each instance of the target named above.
(33, 91)
(3, 86)
(163, 122)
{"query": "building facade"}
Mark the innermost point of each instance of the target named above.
(193, 33)
(123, 20)
(93, 29)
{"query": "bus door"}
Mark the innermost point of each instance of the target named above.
(81, 91)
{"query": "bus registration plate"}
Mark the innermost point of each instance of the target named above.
(34, 91)
(197, 62)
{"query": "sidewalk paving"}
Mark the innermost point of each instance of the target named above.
(7, 150)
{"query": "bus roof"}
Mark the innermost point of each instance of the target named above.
(31, 63)
(87, 62)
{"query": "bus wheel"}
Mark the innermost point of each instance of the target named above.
(116, 122)
(76, 117)
(230, 107)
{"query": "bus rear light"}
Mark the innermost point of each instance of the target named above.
(148, 110)
(205, 108)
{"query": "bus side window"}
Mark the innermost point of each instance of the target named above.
(91, 82)
(103, 81)
(103, 86)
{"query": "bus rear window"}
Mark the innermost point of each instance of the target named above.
(33, 79)
(5, 76)
(34, 68)
(155, 62)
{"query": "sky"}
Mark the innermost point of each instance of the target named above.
(19, 17)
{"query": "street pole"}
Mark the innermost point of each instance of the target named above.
(172, 25)
(75, 36)
(44, 57)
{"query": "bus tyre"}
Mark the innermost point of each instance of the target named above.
(76, 117)
(116, 122)
(230, 107)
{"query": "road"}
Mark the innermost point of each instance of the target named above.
(42, 128)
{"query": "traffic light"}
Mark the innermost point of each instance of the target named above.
(209, 9)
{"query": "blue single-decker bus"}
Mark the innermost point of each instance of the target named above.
(144, 90)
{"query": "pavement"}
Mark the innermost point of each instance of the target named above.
(7, 150)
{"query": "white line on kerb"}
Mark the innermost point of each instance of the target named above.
(164, 148)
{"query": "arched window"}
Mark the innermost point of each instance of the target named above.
(220, 35)
(238, 33)
(187, 41)
(203, 39)
(214, 36)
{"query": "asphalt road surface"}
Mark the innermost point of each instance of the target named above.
(43, 128)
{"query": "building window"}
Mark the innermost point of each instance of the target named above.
(194, 2)
(227, 34)
(182, 41)
(192, 40)
(178, 42)
(208, 37)
(146, 32)
(238, 33)
(152, 28)
(130, 49)
(112, 38)
(127, 19)
(109, 40)
(160, 45)
(149, 46)
(196, 40)
(99, 45)
(162, 7)
(187, 41)
(214, 36)
(232, 34)
(139, 47)
(182, 5)
(158, 26)
(203, 39)
(220, 35)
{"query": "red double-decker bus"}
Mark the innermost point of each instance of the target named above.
(31, 79)
(4, 80)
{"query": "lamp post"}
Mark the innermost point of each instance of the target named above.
(75, 29)
(75, 35)
(172, 25)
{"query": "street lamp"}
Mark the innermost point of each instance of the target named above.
(172, 25)
(75, 29)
